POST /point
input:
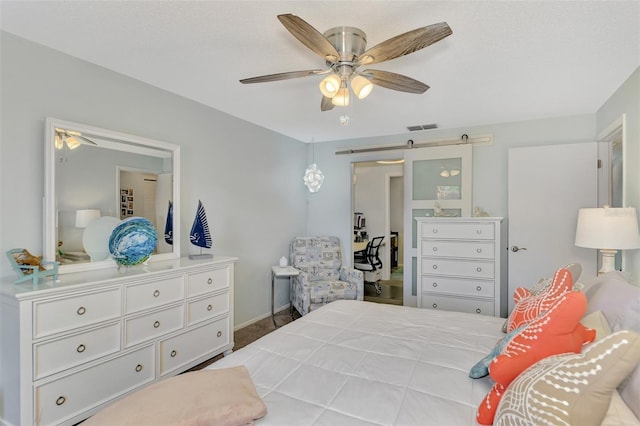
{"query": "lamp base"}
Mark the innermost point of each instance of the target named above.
(608, 261)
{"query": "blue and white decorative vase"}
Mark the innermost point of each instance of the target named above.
(133, 241)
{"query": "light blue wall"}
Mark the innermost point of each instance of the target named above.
(255, 202)
(626, 100)
(330, 211)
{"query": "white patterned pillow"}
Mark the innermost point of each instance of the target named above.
(571, 389)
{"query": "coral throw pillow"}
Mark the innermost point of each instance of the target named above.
(529, 305)
(556, 331)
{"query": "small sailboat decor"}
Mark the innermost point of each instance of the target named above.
(200, 235)
(168, 228)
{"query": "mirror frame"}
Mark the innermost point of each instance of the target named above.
(138, 143)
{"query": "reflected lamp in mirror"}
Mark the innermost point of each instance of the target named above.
(607, 229)
(83, 217)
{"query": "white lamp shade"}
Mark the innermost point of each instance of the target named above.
(361, 86)
(72, 142)
(342, 97)
(84, 217)
(330, 85)
(608, 228)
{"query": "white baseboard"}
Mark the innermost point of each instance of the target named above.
(261, 317)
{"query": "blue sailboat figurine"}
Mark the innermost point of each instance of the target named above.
(200, 235)
(168, 228)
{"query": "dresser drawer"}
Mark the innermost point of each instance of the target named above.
(467, 249)
(152, 325)
(458, 286)
(203, 282)
(463, 231)
(76, 311)
(152, 294)
(472, 306)
(69, 396)
(57, 355)
(209, 307)
(187, 347)
(459, 268)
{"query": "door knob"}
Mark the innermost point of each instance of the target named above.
(516, 248)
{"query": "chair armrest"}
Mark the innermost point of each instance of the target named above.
(355, 277)
(302, 278)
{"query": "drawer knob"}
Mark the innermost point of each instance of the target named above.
(478, 310)
(435, 249)
(156, 293)
(479, 288)
(81, 348)
(435, 284)
(173, 354)
(435, 305)
(138, 368)
(61, 400)
(210, 281)
(435, 266)
(478, 269)
(479, 250)
(478, 231)
(156, 324)
(209, 307)
(81, 310)
(219, 334)
(435, 230)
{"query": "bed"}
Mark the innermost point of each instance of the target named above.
(357, 363)
(353, 362)
(361, 363)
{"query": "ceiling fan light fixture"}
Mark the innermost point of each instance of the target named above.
(342, 97)
(361, 86)
(57, 141)
(330, 85)
(72, 142)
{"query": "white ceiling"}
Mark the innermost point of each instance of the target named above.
(505, 61)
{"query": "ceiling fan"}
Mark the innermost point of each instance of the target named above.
(343, 49)
(70, 138)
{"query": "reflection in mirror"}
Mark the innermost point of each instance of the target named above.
(94, 178)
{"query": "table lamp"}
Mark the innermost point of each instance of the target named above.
(83, 217)
(608, 229)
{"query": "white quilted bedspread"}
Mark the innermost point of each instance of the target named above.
(357, 363)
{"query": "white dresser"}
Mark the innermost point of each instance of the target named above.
(70, 349)
(462, 265)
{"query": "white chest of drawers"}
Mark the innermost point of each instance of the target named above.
(70, 349)
(462, 265)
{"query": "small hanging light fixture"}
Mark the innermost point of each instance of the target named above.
(313, 176)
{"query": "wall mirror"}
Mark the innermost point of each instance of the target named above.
(95, 178)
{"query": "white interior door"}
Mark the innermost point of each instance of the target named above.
(547, 186)
(437, 182)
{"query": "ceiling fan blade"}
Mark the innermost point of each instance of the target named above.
(87, 140)
(280, 76)
(394, 81)
(309, 36)
(406, 43)
(326, 104)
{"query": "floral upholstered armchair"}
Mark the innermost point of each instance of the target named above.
(322, 278)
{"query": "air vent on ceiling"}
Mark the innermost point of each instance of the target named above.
(422, 127)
